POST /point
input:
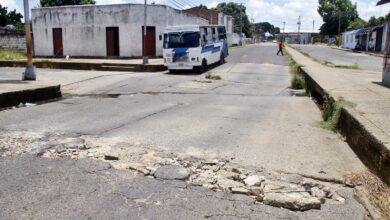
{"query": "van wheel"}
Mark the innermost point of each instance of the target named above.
(203, 68)
(222, 59)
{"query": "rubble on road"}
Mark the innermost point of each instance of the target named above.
(172, 172)
(290, 191)
(300, 201)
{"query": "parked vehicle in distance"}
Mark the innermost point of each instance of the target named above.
(194, 47)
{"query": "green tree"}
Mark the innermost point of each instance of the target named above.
(358, 23)
(238, 12)
(11, 17)
(331, 10)
(373, 21)
(263, 27)
(3, 16)
(50, 3)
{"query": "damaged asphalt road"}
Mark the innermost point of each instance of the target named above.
(38, 188)
(248, 117)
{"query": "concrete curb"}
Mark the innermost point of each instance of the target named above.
(87, 66)
(13, 98)
(370, 150)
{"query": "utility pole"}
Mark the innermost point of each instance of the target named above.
(299, 29)
(284, 26)
(313, 26)
(339, 31)
(29, 74)
(144, 57)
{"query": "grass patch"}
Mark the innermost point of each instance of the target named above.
(297, 80)
(12, 55)
(377, 192)
(213, 77)
(355, 66)
(331, 112)
(235, 47)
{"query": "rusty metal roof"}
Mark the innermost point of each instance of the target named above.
(381, 2)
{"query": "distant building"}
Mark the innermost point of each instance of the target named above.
(12, 39)
(298, 38)
(213, 17)
(366, 39)
(104, 30)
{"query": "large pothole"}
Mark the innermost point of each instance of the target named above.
(278, 189)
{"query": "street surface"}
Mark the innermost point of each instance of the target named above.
(249, 118)
(343, 58)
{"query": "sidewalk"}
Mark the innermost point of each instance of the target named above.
(356, 51)
(15, 91)
(367, 125)
(126, 65)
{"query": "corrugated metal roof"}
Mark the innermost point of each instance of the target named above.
(364, 31)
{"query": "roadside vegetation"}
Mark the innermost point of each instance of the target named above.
(213, 77)
(331, 111)
(370, 187)
(12, 55)
(297, 80)
(355, 66)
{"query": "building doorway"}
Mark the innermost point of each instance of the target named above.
(112, 41)
(57, 42)
(149, 46)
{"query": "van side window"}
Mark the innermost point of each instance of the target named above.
(215, 35)
(221, 33)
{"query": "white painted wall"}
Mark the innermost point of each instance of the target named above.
(84, 27)
(384, 37)
(349, 39)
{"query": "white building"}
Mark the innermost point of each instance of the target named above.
(349, 39)
(104, 30)
(369, 38)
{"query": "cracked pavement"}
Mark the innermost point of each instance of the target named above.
(37, 188)
(247, 117)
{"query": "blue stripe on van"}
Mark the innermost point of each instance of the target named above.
(208, 48)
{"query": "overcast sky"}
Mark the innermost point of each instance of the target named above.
(274, 11)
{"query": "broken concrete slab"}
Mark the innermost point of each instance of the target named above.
(172, 172)
(300, 201)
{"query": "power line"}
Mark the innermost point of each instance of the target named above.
(175, 4)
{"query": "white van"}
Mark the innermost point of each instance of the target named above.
(194, 47)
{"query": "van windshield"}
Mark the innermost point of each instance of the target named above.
(181, 39)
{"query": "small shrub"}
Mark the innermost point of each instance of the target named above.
(298, 82)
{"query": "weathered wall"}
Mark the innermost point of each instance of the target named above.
(10, 39)
(84, 27)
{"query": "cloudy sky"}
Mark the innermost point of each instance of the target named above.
(273, 11)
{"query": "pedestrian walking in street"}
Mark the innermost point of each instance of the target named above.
(281, 45)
